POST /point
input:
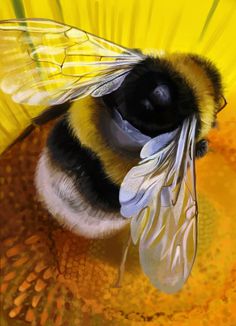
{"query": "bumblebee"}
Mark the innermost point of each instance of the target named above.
(123, 155)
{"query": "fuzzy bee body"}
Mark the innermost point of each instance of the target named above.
(72, 182)
(85, 165)
(159, 108)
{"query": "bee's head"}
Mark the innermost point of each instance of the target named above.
(159, 93)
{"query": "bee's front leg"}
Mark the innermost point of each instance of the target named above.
(201, 148)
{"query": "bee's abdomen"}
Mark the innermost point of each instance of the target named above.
(83, 165)
(74, 187)
(60, 195)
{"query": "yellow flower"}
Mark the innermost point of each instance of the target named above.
(50, 276)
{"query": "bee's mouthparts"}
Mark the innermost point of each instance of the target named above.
(129, 130)
(122, 134)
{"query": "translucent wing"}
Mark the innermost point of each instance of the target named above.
(43, 62)
(159, 194)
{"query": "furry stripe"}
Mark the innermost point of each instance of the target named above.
(202, 87)
(62, 198)
(85, 120)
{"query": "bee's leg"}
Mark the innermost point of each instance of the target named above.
(122, 264)
(201, 148)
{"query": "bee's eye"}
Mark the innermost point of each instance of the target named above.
(161, 95)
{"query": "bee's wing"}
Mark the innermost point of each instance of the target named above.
(43, 62)
(159, 194)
